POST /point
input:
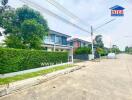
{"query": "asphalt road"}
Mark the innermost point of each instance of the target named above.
(105, 80)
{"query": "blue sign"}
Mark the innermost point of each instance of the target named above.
(117, 11)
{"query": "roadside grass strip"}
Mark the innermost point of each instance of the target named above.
(33, 74)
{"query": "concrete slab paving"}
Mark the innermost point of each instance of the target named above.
(106, 80)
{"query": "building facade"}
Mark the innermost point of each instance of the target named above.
(77, 43)
(56, 41)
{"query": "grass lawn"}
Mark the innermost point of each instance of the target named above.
(33, 74)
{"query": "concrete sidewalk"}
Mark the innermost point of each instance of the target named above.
(23, 84)
(106, 80)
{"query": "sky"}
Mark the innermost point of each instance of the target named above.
(92, 12)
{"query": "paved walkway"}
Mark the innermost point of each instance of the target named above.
(105, 80)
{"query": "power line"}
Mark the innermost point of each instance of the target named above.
(104, 24)
(66, 11)
(44, 10)
(60, 7)
(128, 36)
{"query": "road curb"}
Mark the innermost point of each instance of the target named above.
(20, 85)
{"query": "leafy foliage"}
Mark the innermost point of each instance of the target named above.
(115, 49)
(4, 2)
(83, 50)
(128, 50)
(25, 25)
(4, 6)
(102, 52)
(13, 60)
(99, 42)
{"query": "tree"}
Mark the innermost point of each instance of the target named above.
(26, 26)
(115, 49)
(4, 2)
(128, 49)
(32, 33)
(102, 51)
(6, 19)
(4, 5)
(99, 42)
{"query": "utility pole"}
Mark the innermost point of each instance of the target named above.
(92, 41)
(92, 33)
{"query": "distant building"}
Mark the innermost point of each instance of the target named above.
(56, 41)
(77, 43)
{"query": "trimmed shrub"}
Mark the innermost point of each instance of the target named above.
(83, 50)
(14, 60)
(102, 52)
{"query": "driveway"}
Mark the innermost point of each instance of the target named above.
(105, 80)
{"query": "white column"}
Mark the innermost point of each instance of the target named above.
(70, 55)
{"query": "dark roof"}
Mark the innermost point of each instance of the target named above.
(117, 7)
(58, 33)
(74, 39)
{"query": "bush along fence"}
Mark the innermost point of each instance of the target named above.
(85, 53)
(14, 60)
(82, 53)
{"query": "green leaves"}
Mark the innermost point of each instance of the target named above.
(32, 33)
(128, 50)
(4, 2)
(24, 26)
(102, 51)
(4, 6)
(83, 50)
(13, 60)
(14, 41)
(99, 42)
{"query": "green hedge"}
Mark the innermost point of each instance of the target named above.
(13, 60)
(102, 52)
(82, 50)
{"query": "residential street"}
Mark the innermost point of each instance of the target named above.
(106, 80)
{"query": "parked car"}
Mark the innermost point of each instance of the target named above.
(111, 56)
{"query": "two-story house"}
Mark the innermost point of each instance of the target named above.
(77, 43)
(56, 41)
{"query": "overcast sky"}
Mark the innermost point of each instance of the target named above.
(93, 12)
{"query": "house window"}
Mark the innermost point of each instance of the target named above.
(84, 44)
(58, 40)
(52, 36)
(46, 40)
(71, 43)
(64, 41)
